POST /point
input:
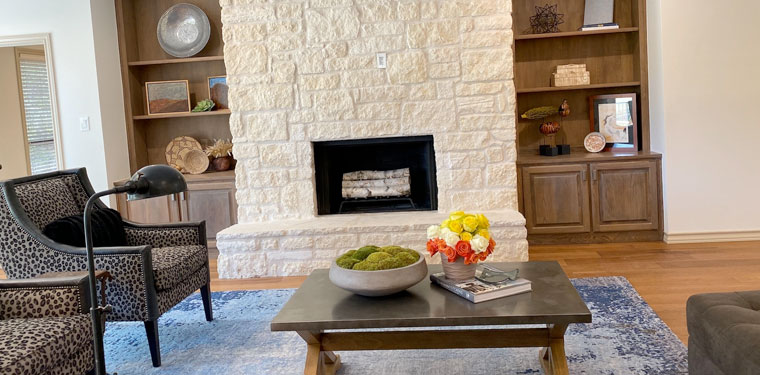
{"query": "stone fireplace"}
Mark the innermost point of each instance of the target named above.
(304, 77)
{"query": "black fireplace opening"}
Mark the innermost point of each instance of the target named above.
(381, 181)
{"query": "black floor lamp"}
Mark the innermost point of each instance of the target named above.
(148, 182)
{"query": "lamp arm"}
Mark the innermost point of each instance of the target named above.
(95, 309)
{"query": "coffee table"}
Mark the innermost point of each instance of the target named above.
(318, 307)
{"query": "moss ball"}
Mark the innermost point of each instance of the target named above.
(406, 259)
(346, 261)
(377, 256)
(366, 266)
(364, 252)
(392, 250)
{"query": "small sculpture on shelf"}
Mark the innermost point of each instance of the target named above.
(546, 20)
(221, 154)
(204, 105)
(549, 127)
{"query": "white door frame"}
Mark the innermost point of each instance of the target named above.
(44, 40)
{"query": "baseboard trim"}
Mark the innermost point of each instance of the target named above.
(737, 236)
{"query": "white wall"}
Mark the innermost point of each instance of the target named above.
(12, 150)
(704, 80)
(84, 78)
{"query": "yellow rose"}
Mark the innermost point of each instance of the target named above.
(470, 223)
(465, 236)
(445, 223)
(455, 226)
(456, 215)
(483, 221)
(484, 233)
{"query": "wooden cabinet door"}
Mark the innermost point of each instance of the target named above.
(555, 199)
(159, 210)
(213, 202)
(624, 196)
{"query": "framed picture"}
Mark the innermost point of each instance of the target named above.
(217, 91)
(615, 117)
(167, 97)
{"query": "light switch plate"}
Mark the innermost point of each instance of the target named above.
(84, 124)
(382, 60)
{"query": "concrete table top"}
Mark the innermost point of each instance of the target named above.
(320, 305)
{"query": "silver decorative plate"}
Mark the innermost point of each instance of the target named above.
(183, 30)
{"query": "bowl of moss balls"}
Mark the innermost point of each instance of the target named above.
(378, 271)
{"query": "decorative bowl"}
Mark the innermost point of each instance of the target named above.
(195, 161)
(379, 283)
(594, 142)
(183, 30)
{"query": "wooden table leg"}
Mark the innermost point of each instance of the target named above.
(553, 358)
(330, 363)
(318, 362)
(312, 360)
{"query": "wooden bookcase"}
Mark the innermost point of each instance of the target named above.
(143, 60)
(564, 198)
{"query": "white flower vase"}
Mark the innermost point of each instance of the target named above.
(457, 270)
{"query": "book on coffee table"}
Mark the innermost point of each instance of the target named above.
(476, 291)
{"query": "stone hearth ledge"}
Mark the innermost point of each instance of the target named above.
(297, 246)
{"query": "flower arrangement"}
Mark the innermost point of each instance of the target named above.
(461, 235)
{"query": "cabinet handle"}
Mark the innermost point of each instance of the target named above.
(583, 175)
(593, 175)
(173, 197)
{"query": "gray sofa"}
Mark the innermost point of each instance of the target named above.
(724, 333)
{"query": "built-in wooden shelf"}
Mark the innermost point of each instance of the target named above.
(532, 90)
(580, 155)
(176, 61)
(568, 34)
(220, 112)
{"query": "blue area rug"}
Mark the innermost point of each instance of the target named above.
(627, 337)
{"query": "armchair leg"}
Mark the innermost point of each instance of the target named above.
(206, 296)
(151, 329)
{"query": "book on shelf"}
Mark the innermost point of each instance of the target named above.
(477, 291)
(600, 26)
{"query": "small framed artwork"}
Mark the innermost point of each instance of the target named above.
(217, 91)
(614, 116)
(167, 97)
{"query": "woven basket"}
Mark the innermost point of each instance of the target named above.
(457, 270)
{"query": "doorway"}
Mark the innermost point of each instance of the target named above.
(29, 142)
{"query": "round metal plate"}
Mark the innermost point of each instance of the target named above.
(183, 30)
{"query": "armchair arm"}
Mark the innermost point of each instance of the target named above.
(166, 235)
(58, 295)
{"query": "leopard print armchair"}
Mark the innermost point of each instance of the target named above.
(161, 266)
(45, 326)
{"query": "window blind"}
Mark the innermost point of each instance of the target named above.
(35, 90)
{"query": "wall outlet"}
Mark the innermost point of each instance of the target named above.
(382, 60)
(84, 124)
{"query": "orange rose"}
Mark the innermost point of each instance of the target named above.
(463, 248)
(491, 246)
(449, 253)
(471, 258)
(432, 247)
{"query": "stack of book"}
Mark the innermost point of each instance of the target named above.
(475, 290)
(571, 75)
(600, 26)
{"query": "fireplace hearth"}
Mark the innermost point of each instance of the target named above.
(375, 175)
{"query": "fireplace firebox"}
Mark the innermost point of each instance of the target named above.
(375, 175)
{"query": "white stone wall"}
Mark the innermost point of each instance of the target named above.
(304, 70)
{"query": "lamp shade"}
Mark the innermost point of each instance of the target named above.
(155, 181)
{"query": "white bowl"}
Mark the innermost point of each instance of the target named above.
(379, 283)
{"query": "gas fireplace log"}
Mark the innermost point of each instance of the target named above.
(376, 183)
(375, 175)
(377, 192)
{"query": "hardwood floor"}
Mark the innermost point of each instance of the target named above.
(665, 275)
